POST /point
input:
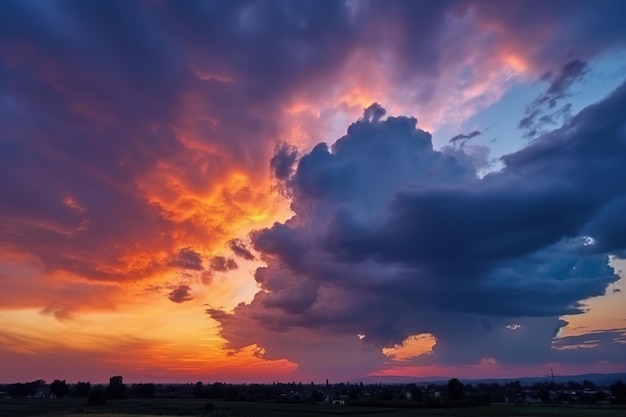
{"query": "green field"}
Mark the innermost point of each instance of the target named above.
(192, 407)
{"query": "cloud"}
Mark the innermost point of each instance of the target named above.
(591, 339)
(135, 140)
(609, 229)
(239, 248)
(392, 239)
(187, 258)
(173, 122)
(27, 285)
(223, 264)
(543, 111)
(574, 29)
(570, 73)
(180, 294)
(283, 161)
(462, 138)
(374, 113)
(119, 149)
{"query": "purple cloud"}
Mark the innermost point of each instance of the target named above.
(180, 294)
(239, 248)
(392, 238)
(187, 258)
(223, 264)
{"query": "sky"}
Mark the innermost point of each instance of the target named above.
(256, 191)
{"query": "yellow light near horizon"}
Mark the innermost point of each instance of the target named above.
(605, 311)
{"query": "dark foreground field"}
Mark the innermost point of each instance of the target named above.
(192, 407)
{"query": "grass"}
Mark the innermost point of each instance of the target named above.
(192, 407)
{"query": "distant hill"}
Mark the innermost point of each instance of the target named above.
(395, 379)
(598, 379)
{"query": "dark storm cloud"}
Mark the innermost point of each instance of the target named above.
(239, 248)
(180, 294)
(115, 39)
(117, 118)
(392, 238)
(67, 142)
(225, 29)
(575, 29)
(609, 228)
(95, 96)
(91, 97)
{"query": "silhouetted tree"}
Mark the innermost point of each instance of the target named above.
(354, 391)
(216, 390)
(589, 385)
(24, 389)
(455, 389)
(116, 388)
(59, 388)
(618, 390)
(232, 393)
(198, 390)
(416, 393)
(82, 389)
(96, 397)
(143, 390)
(574, 386)
(316, 396)
(386, 394)
(544, 395)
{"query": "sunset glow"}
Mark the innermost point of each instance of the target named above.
(290, 190)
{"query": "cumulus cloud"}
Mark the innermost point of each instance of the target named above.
(374, 113)
(132, 130)
(133, 121)
(180, 294)
(392, 238)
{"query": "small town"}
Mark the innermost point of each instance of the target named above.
(412, 395)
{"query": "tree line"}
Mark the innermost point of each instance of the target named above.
(454, 392)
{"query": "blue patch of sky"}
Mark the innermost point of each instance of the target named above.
(498, 123)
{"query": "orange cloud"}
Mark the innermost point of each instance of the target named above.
(121, 162)
(412, 347)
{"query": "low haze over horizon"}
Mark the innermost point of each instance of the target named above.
(257, 191)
